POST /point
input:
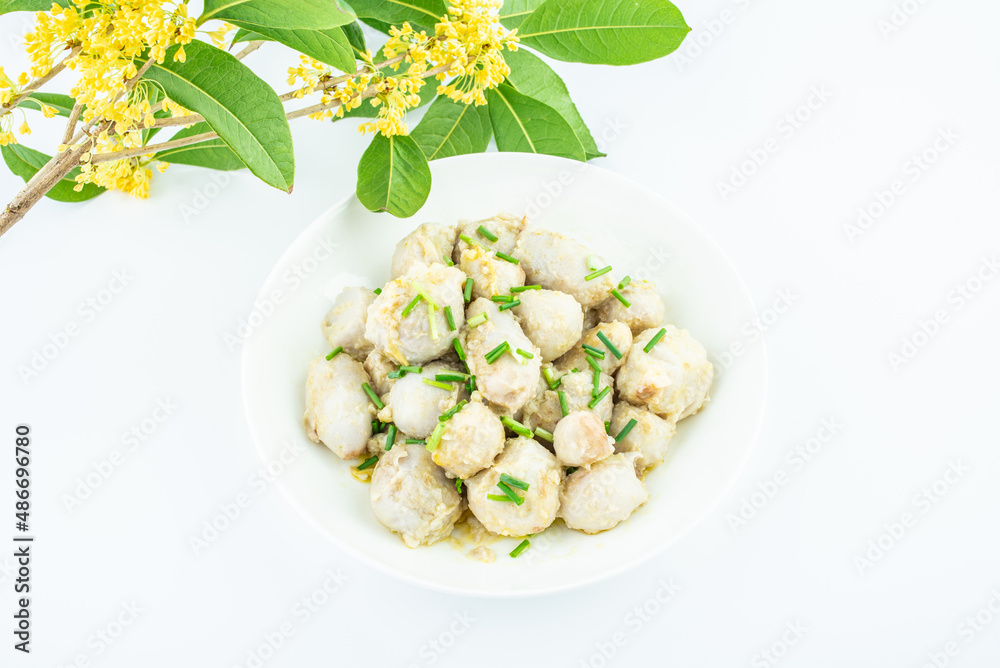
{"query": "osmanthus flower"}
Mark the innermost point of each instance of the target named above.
(9, 90)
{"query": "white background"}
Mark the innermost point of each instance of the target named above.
(685, 125)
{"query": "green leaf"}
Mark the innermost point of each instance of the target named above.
(393, 176)
(605, 32)
(30, 5)
(531, 76)
(285, 14)
(421, 14)
(237, 104)
(244, 35)
(25, 162)
(514, 12)
(63, 104)
(525, 125)
(213, 153)
(453, 128)
(356, 37)
(327, 46)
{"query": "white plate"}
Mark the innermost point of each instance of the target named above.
(640, 234)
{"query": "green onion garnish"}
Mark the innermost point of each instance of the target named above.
(552, 381)
(448, 414)
(625, 430)
(452, 377)
(592, 262)
(625, 281)
(376, 426)
(498, 497)
(432, 321)
(511, 494)
(606, 341)
(333, 353)
(594, 274)
(501, 299)
(596, 400)
(541, 433)
(563, 404)
(607, 427)
(571, 469)
(377, 291)
(458, 485)
(516, 426)
(574, 370)
(497, 352)
(486, 233)
(597, 383)
(525, 353)
(423, 293)
(653, 341)
(477, 320)
(371, 395)
(467, 239)
(514, 482)
(448, 261)
(467, 291)
(593, 364)
(504, 256)
(450, 318)
(437, 384)
(459, 350)
(415, 441)
(368, 462)
(435, 440)
(620, 297)
(593, 352)
(412, 369)
(471, 385)
(396, 375)
(390, 437)
(412, 305)
(523, 288)
(504, 307)
(521, 547)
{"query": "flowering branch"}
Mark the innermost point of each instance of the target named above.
(40, 81)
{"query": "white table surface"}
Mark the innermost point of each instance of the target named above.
(785, 587)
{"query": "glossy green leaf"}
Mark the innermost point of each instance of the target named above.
(453, 128)
(25, 162)
(605, 32)
(421, 14)
(30, 5)
(213, 153)
(63, 104)
(285, 14)
(514, 12)
(393, 176)
(244, 35)
(356, 37)
(327, 46)
(525, 125)
(237, 104)
(531, 76)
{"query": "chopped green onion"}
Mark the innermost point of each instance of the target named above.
(593, 364)
(508, 305)
(521, 547)
(423, 293)
(467, 239)
(541, 433)
(592, 262)
(594, 274)
(563, 404)
(471, 385)
(625, 281)
(450, 318)
(607, 427)
(620, 297)
(415, 441)
(597, 383)
(396, 375)
(574, 370)
(477, 320)
(596, 400)
(625, 430)
(448, 261)
(439, 385)
(377, 291)
(523, 288)
(593, 352)
(604, 339)
(511, 494)
(497, 352)
(432, 321)
(390, 437)
(333, 353)
(459, 350)
(498, 497)
(550, 379)
(516, 426)
(525, 353)
(504, 256)
(412, 369)
(514, 482)
(448, 414)
(656, 339)
(486, 233)
(571, 469)
(501, 299)
(435, 440)
(458, 485)
(452, 377)
(368, 462)
(376, 426)
(371, 395)
(467, 290)
(412, 305)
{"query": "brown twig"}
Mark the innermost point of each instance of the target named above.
(74, 116)
(40, 81)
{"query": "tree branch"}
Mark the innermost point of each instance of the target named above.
(40, 81)
(74, 116)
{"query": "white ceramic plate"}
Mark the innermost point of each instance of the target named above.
(640, 234)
